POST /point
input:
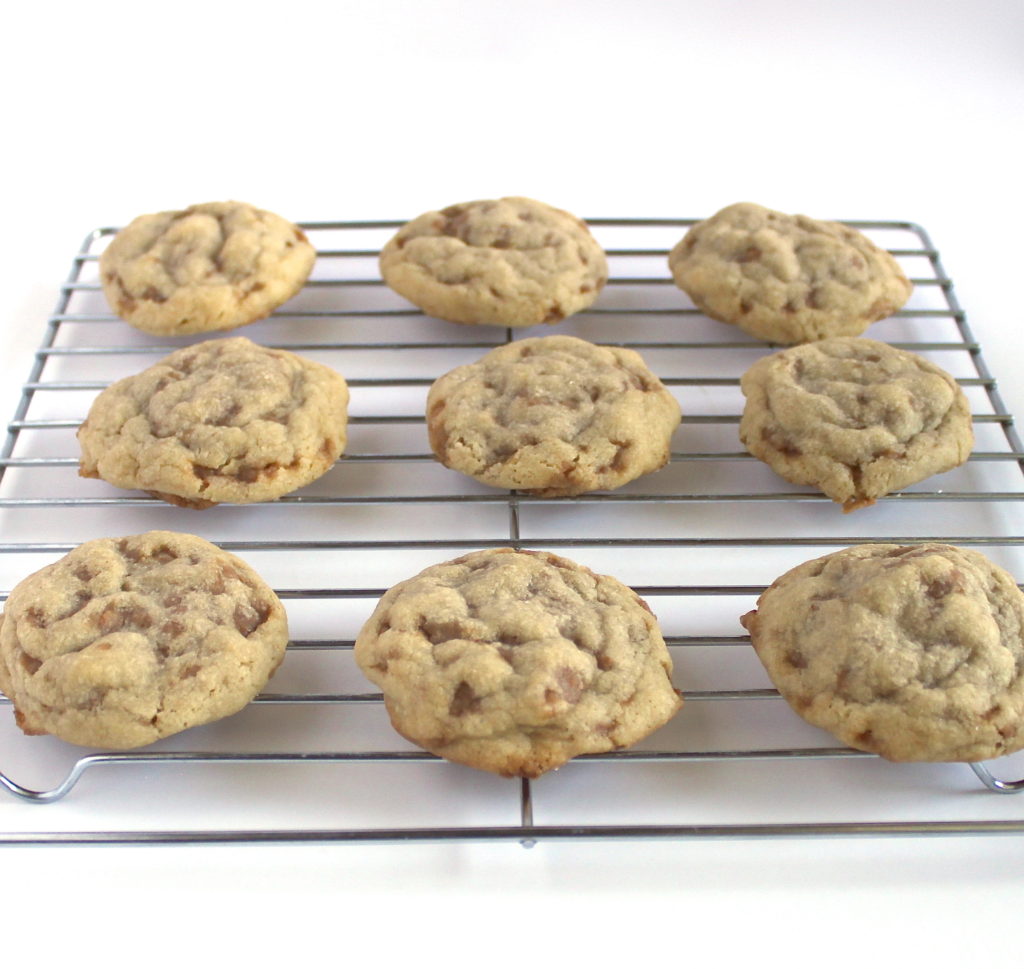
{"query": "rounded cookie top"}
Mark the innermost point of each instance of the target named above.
(854, 417)
(506, 262)
(911, 652)
(515, 662)
(124, 641)
(213, 266)
(787, 278)
(552, 416)
(223, 420)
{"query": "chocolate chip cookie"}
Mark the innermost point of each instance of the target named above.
(911, 652)
(213, 266)
(787, 278)
(221, 421)
(552, 416)
(515, 662)
(506, 262)
(124, 641)
(854, 417)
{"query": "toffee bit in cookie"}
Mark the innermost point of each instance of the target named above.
(504, 262)
(221, 421)
(552, 416)
(515, 661)
(914, 653)
(167, 632)
(213, 266)
(856, 418)
(787, 278)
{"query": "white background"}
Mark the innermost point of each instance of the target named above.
(867, 110)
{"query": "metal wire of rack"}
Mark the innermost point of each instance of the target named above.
(701, 539)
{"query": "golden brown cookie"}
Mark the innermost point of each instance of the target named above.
(223, 420)
(507, 262)
(854, 417)
(552, 416)
(213, 266)
(912, 652)
(787, 278)
(515, 662)
(124, 641)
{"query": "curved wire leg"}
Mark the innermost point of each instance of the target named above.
(994, 783)
(42, 797)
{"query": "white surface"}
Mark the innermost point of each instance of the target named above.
(848, 110)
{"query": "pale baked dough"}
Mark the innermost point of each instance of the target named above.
(506, 262)
(854, 417)
(515, 662)
(552, 416)
(125, 641)
(221, 421)
(213, 266)
(787, 278)
(912, 652)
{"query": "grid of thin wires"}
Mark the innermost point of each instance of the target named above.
(56, 370)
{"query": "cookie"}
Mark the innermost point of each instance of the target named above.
(224, 420)
(213, 266)
(505, 262)
(552, 416)
(854, 417)
(515, 662)
(125, 641)
(787, 278)
(911, 652)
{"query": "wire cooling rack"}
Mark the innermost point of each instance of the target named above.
(314, 759)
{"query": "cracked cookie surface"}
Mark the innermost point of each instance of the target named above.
(552, 416)
(214, 266)
(221, 421)
(854, 417)
(514, 661)
(911, 652)
(124, 641)
(787, 278)
(507, 262)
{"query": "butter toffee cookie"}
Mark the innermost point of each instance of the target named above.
(915, 653)
(552, 416)
(124, 641)
(787, 278)
(856, 418)
(504, 262)
(515, 661)
(221, 421)
(214, 266)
